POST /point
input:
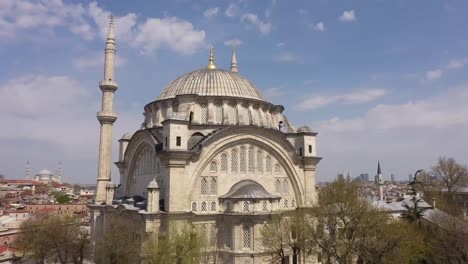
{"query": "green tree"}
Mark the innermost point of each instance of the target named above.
(63, 198)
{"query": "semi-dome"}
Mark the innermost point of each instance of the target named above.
(248, 189)
(212, 82)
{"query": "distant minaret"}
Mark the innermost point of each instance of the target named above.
(27, 170)
(106, 116)
(379, 180)
(234, 60)
(59, 172)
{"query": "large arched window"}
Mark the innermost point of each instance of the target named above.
(214, 186)
(234, 160)
(224, 165)
(268, 164)
(251, 160)
(246, 236)
(259, 161)
(204, 186)
(242, 159)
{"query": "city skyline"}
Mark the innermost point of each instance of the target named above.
(375, 81)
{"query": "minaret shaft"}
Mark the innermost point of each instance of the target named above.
(106, 117)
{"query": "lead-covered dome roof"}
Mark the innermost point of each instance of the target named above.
(212, 82)
(248, 189)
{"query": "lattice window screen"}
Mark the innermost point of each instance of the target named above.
(213, 206)
(277, 186)
(204, 186)
(213, 166)
(218, 114)
(259, 161)
(194, 206)
(285, 203)
(245, 206)
(212, 235)
(228, 237)
(214, 186)
(203, 207)
(242, 159)
(243, 115)
(268, 164)
(246, 236)
(264, 206)
(224, 165)
(234, 160)
(277, 169)
(251, 160)
(232, 114)
(293, 203)
(203, 113)
(285, 186)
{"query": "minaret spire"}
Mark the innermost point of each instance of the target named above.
(211, 65)
(27, 170)
(106, 116)
(234, 60)
(59, 172)
(379, 171)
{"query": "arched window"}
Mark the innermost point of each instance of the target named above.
(251, 160)
(277, 168)
(213, 166)
(245, 206)
(242, 159)
(285, 203)
(285, 186)
(213, 206)
(203, 206)
(203, 113)
(246, 236)
(234, 160)
(259, 161)
(224, 165)
(277, 186)
(194, 207)
(264, 206)
(214, 186)
(232, 114)
(268, 164)
(227, 206)
(212, 235)
(204, 186)
(293, 203)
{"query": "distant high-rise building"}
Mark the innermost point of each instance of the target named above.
(392, 177)
(364, 177)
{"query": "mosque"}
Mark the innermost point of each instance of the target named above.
(212, 152)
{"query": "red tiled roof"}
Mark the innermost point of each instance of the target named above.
(4, 248)
(21, 182)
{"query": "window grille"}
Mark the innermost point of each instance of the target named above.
(259, 161)
(213, 166)
(246, 236)
(255, 117)
(234, 160)
(251, 160)
(293, 203)
(218, 114)
(203, 113)
(224, 165)
(285, 203)
(203, 206)
(227, 206)
(213, 206)
(268, 164)
(242, 159)
(204, 186)
(194, 207)
(264, 206)
(277, 168)
(214, 186)
(277, 186)
(232, 114)
(245, 206)
(228, 237)
(244, 115)
(212, 235)
(285, 186)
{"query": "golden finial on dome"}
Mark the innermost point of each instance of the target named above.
(211, 65)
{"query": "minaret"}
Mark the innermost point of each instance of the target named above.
(234, 60)
(59, 172)
(106, 117)
(379, 180)
(27, 170)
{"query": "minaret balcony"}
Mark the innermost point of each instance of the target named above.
(106, 117)
(108, 86)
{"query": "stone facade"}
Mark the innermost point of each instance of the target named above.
(208, 156)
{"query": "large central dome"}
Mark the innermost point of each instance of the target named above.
(212, 82)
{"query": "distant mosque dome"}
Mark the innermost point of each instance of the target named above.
(44, 172)
(304, 129)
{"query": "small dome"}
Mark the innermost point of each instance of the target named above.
(304, 129)
(153, 185)
(127, 136)
(44, 172)
(212, 82)
(248, 189)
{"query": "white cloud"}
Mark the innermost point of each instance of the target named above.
(273, 92)
(356, 97)
(286, 57)
(457, 64)
(348, 16)
(320, 26)
(434, 74)
(233, 42)
(169, 32)
(95, 60)
(211, 12)
(404, 136)
(280, 44)
(263, 27)
(232, 10)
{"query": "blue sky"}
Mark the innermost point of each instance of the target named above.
(378, 80)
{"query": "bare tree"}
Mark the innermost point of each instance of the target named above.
(275, 237)
(450, 174)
